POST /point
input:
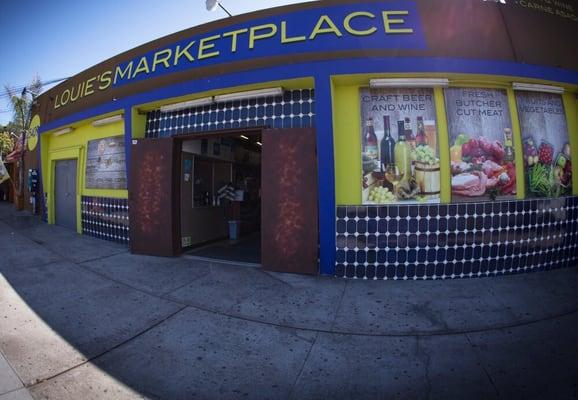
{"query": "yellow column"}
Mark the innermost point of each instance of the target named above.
(518, 147)
(444, 147)
(138, 121)
(347, 144)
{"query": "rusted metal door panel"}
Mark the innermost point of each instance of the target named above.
(152, 201)
(289, 216)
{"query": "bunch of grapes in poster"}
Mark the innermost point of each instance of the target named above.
(481, 144)
(400, 158)
(547, 164)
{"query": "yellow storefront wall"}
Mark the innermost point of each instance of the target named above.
(347, 130)
(73, 145)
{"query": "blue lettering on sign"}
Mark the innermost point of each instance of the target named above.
(388, 25)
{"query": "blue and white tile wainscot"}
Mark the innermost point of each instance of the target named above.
(464, 240)
(105, 218)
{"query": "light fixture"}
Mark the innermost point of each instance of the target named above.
(408, 82)
(187, 104)
(532, 87)
(62, 131)
(250, 94)
(107, 120)
(244, 137)
(259, 143)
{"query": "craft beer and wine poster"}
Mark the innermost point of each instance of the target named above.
(399, 146)
(547, 164)
(481, 144)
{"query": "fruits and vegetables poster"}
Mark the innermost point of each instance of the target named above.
(481, 144)
(400, 158)
(547, 163)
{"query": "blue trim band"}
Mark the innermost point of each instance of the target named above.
(377, 65)
(325, 174)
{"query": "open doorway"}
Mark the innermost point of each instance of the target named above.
(220, 189)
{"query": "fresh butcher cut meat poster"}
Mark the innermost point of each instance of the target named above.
(481, 144)
(547, 164)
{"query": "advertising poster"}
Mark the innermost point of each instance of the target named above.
(105, 164)
(481, 144)
(400, 158)
(547, 164)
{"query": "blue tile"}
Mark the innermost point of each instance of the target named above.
(423, 211)
(439, 270)
(390, 271)
(372, 226)
(350, 271)
(402, 241)
(370, 271)
(403, 226)
(403, 211)
(410, 271)
(421, 255)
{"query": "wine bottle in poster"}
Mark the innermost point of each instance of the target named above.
(370, 141)
(387, 145)
(402, 152)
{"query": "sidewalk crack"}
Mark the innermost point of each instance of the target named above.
(298, 377)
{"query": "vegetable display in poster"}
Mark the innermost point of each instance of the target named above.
(481, 144)
(400, 158)
(547, 162)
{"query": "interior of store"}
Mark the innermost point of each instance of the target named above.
(221, 197)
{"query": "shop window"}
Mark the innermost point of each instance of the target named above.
(546, 146)
(400, 152)
(481, 144)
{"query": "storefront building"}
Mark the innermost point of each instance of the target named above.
(422, 139)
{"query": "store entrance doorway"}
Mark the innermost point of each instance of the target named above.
(220, 193)
(174, 210)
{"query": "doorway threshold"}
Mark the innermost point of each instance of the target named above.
(221, 261)
(244, 251)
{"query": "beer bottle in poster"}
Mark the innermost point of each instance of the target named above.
(420, 137)
(402, 152)
(370, 140)
(508, 145)
(409, 136)
(387, 145)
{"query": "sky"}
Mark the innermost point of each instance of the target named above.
(58, 39)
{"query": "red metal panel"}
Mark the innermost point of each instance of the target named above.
(151, 187)
(289, 216)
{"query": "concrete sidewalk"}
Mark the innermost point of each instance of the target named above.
(82, 318)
